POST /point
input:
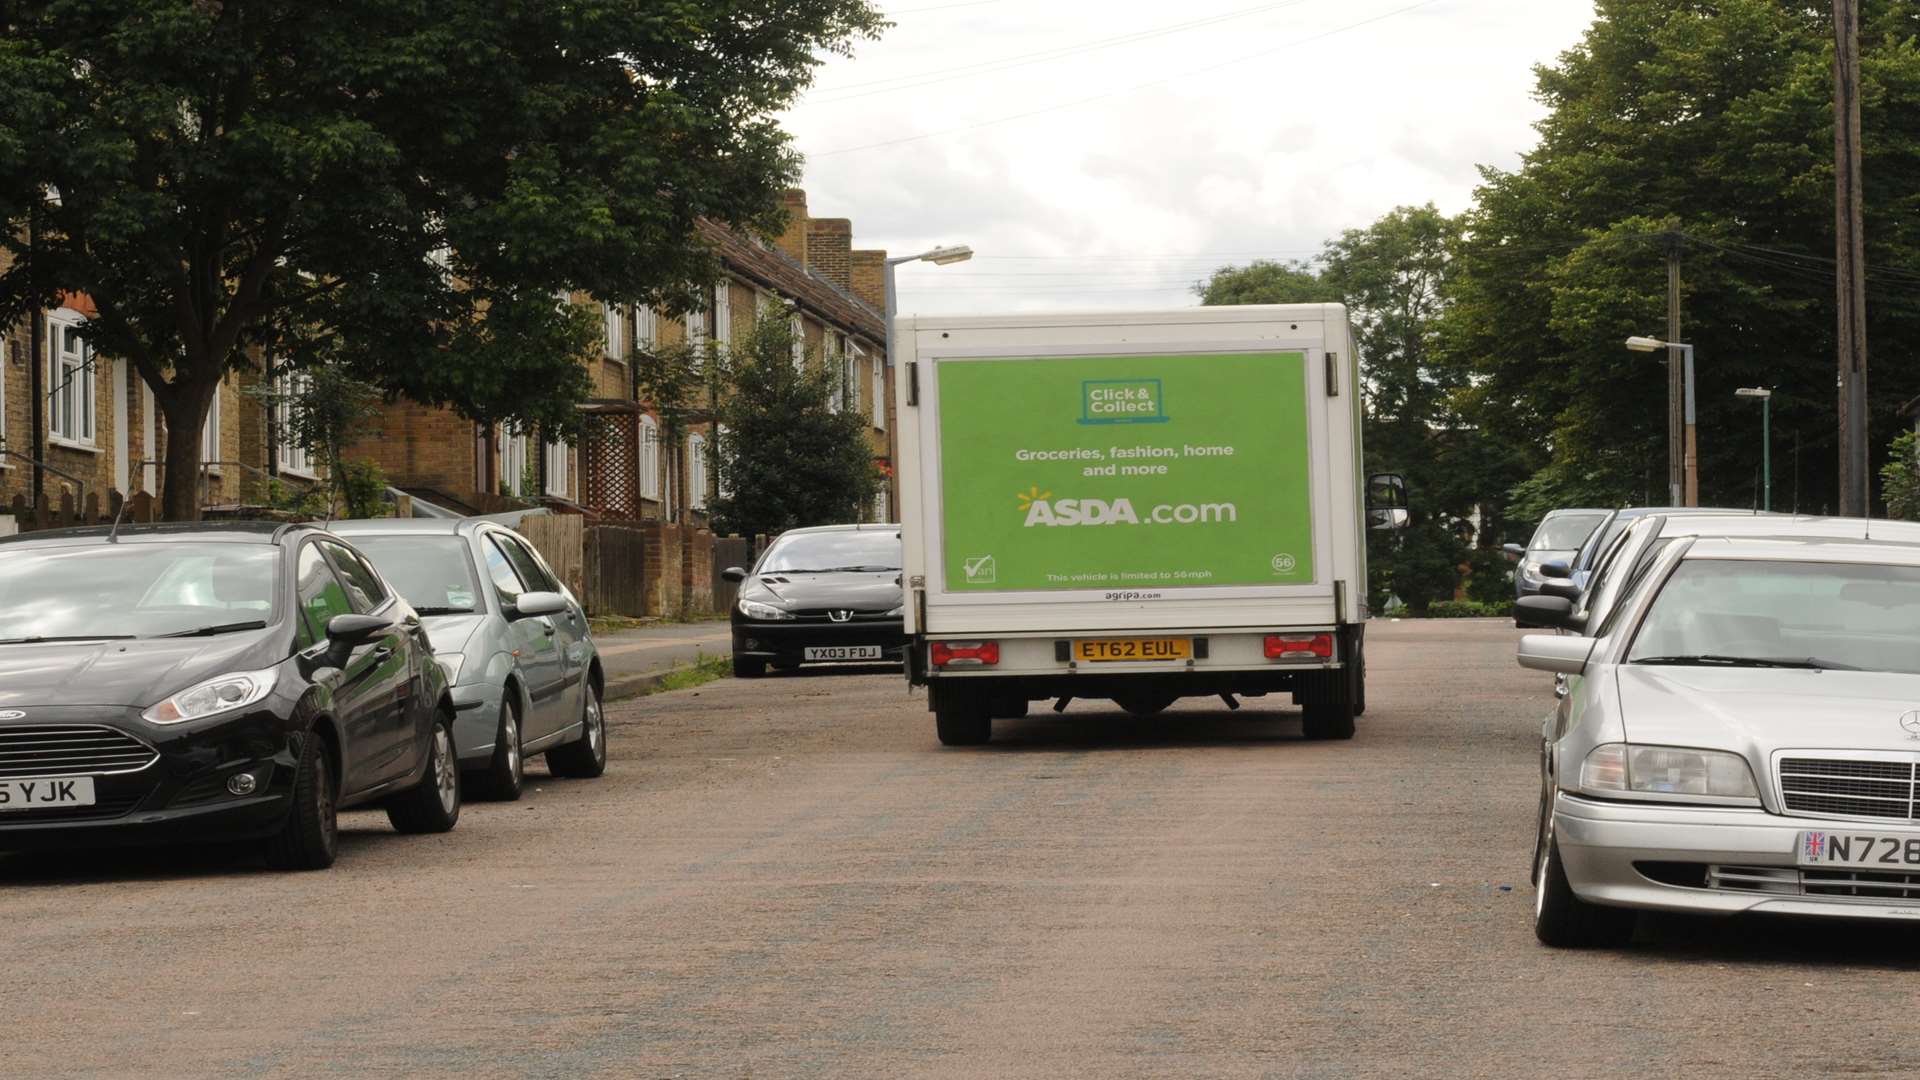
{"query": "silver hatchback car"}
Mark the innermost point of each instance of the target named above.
(1738, 734)
(514, 642)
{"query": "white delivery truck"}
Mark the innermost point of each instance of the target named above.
(1138, 507)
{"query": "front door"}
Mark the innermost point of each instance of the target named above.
(356, 692)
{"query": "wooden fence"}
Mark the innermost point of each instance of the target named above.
(615, 567)
(559, 539)
(729, 551)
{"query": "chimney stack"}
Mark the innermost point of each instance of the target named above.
(794, 240)
(867, 277)
(830, 249)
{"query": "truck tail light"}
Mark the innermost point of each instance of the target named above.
(966, 653)
(1299, 646)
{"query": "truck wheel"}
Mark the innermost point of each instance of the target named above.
(1360, 682)
(1328, 721)
(1010, 708)
(960, 721)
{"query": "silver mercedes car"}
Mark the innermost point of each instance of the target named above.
(1739, 733)
(513, 640)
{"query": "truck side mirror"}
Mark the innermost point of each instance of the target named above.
(1387, 501)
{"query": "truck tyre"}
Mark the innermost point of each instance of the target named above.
(1328, 721)
(1359, 682)
(962, 721)
(1011, 708)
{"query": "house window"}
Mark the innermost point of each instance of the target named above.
(70, 371)
(722, 449)
(295, 456)
(762, 304)
(878, 373)
(696, 472)
(723, 314)
(798, 327)
(210, 431)
(646, 327)
(556, 461)
(649, 458)
(696, 324)
(616, 321)
(5, 355)
(513, 463)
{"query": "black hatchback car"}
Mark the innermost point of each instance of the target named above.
(823, 595)
(212, 682)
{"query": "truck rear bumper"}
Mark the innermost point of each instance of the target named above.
(1230, 661)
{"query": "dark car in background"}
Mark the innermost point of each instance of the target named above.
(822, 595)
(1558, 539)
(213, 682)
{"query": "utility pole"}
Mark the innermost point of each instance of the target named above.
(1680, 488)
(1850, 265)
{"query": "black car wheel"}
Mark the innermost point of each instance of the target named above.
(748, 667)
(502, 779)
(309, 839)
(585, 757)
(432, 805)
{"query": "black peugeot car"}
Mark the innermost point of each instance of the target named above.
(172, 683)
(823, 595)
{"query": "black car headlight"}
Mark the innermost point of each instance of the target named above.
(214, 696)
(753, 609)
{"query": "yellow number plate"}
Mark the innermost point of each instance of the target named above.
(1098, 650)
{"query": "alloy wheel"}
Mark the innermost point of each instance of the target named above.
(444, 778)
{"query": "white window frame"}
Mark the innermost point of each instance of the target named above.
(6, 354)
(556, 468)
(295, 459)
(616, 327)
(798, 327)
(878, 373)
(695, 322)
(513, 460)
(649, 457)
(696, 472)
(70, 379)
(210, 431)
(646, 327)
(720, 485)
(762, 301)
(723, 313)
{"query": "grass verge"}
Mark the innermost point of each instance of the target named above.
(704, 670)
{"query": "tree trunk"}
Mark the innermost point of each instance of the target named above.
(184, 406)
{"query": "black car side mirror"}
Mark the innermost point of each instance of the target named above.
(1555, 568)
(1560, 587)
(733, 574)
(1553, 611)
(348, 632)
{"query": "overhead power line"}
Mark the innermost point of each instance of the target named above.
(1130, 89)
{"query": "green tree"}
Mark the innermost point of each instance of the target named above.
(1706, 128)
(1266, 282)
(1900, 477)
(783, 456)
(323, 409)
(401, 189)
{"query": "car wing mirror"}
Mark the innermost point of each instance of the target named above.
(1518, 551)
(1554, 611)
(1556, 568)
(1557, 653)
(1560, 587)
(533, 604)
(734, 574)
(346, 633)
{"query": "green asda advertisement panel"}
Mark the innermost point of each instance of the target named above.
(1125, 472)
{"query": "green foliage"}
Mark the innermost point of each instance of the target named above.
(303, 501)
(398, 189)
(1470, 609)
(1489, 576)
(786, 459)
(1710, 127)
(1419, 564)
(1266, 282)
(363, 488)
(1900, 477)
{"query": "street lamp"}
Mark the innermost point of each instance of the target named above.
(1766, 440)
(940, 256)
(1688, 459)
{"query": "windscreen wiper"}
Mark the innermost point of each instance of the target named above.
(218, 628)
(1717, 660)
(443, 611)
(40, 638)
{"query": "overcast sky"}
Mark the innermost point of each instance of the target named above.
(1160, 140)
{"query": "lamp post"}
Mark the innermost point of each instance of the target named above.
(1647, 345)
(1766, 440)
(940, 256)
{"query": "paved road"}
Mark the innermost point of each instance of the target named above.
(790, 878)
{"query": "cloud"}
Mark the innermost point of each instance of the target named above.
(1124, 201)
